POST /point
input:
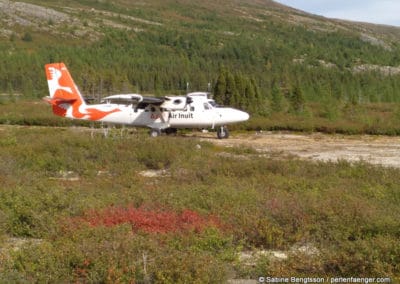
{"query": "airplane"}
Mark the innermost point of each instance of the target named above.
(160, 114)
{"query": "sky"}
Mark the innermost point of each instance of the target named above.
(372, 11)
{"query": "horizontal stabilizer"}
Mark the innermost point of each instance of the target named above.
(57, 101)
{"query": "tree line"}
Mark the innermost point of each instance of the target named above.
(280, 69)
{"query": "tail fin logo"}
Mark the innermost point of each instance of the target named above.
(65, 96)
(61, 85)
(54, 81)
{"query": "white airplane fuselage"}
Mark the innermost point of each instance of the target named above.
(199, 114)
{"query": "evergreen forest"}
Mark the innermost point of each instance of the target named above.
(258, 56)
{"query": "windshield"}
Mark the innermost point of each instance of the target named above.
(213, 103)
(207, 106)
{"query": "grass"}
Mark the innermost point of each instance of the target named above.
(349, 212)
(368, 118)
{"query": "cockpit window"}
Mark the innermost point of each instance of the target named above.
(213, 103)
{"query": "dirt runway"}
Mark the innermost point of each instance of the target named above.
(381, 150)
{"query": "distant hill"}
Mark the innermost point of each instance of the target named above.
(158, 46)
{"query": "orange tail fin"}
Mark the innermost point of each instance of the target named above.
(64, 94)
(65, 97)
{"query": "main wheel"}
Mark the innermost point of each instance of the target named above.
(170, 131)
(155, 132)
(222, 132)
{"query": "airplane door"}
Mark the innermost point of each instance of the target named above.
(210, 114)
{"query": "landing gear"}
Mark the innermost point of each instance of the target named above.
(222, 132)
(171, 131)
(155, 132)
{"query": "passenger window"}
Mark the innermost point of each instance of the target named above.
(191, 108)
(206, 106)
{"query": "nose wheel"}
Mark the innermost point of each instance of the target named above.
(222, 132)
(155, 132)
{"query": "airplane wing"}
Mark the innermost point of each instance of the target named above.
(133, 99)
(153, 100)
(127, 98)
(169, 103)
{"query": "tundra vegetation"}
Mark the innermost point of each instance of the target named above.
(74, 207)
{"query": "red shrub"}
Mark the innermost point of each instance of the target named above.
(148, 221)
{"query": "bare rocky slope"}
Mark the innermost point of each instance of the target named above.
(85, 19)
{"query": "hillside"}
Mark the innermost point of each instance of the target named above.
(265, 57)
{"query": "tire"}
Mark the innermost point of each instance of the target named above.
(155, 132)
(222, 132)
(171, 131)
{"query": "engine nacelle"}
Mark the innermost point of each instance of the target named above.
(175, 103)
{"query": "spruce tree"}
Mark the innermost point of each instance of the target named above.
(297, 99)
(230, 88)
(259, 100)
(220, 88)
(276, 98)
(240, 91)
(250, 97)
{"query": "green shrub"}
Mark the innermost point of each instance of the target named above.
(349, 211)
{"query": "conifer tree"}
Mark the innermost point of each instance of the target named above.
(235, 99)
(259, 101)
(250, 96)
(240, 90)
(230, 88)
(276, 98)
(297, 99)
(220, 88)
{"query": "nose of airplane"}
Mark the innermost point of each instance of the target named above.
(231, 115)
(242, 116)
